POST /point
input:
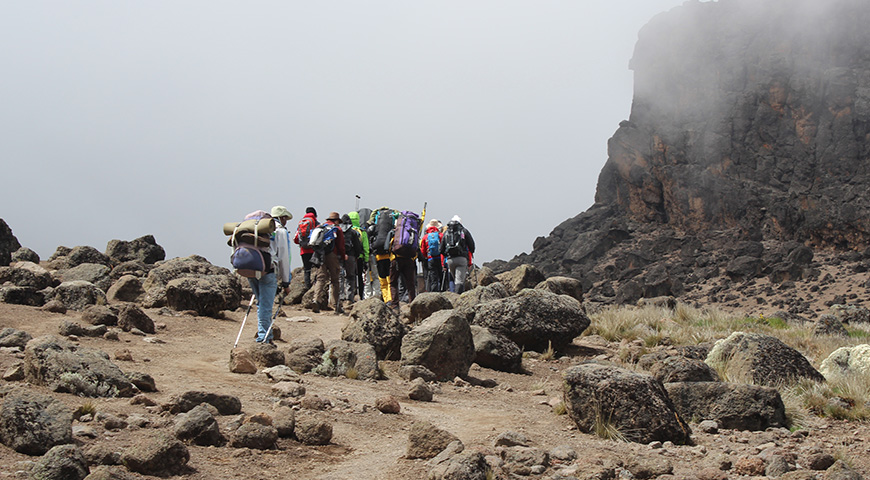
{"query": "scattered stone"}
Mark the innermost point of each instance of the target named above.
(313, 431)
(225, 404)
(32, 423)
(131, 316)
(284, 421)
(156, 455)
(64, 367)
(511, 439)
(241, 361)
(62, 462)
(288, 389)
(420, 390)
(752, 466)
(373, 322)
(387, 404)
(199, 427)
(442, 343)
(426, 440)
(732, 405)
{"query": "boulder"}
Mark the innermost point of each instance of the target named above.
(99, 315)
(426, 440)
(297, 287)
(354, 360)
(109, 472)
(131, 316)
(284, 421)
(135, 268)
(78, 294)
(634, 405)
(761, 359)
(471, 300)
(25, 254)
(22, 296)
(26, 274)
(846, 361)
(524, 276)
(157, 455)
(11, 337)
(62, 462)
(8, 243)
(225, 404)
(442, 343)
(677, 368)
(266, 355)
(207, 296)
(303, 354)
(313, 431)
(481, 277)
(218, 280)
(33, 423)
(462, 466)
(829, 325)
(496, 351)
(85, 254)
(388, 404)
(851, 314)
(95, 273)
(241, 361)
(735, 406)
(420, 390)
(144, 249)
(426, 304)
(199, 427)
(373, 322)
(535, 319)
(64, 367)
(563, 286)
(128, 288)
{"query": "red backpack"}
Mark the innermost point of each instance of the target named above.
(303, 232)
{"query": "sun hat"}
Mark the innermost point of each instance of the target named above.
(279, 211)
(334, 216)
(456, 219)
(434, 223)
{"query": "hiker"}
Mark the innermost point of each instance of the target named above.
(362, 259)
(403, 263)
(381, 225)
(330, 253)
(353, 248)
(266, 286)
(457, 246)
(303, 232)
(430, 252)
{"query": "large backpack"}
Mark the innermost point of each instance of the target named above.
(383, 231)
(250, 240)
(322, 241)
(433, 240)
(352, 243)
(303, 231)
(454, 239)
(406, 239)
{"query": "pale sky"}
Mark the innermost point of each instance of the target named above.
(170, 118)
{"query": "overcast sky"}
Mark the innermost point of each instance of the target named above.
(170, 118)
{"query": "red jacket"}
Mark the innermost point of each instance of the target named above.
(311, 221)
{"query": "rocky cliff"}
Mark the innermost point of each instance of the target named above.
(749, 137)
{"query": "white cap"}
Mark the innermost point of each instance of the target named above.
(456, 219)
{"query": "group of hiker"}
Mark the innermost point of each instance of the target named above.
(345, 253)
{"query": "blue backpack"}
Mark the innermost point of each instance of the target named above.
(433, 239)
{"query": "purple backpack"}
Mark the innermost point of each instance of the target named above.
(406, 239)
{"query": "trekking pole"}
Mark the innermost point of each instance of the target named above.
(250, 304)
(275, 315)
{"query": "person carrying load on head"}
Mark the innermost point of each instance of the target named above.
(303, 232)
(457, 246)
(430, 252)
(329, 251)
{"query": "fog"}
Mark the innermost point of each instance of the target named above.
(122, 119)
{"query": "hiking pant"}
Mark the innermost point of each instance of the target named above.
(370, 282)
(458, 267)
(434, 275)
(306, 267)
(264, 289)
(406, 269)
(384, 278)
(351, 276)
(360, 277)
(328, 275)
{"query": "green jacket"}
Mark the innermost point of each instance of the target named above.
(363, 236)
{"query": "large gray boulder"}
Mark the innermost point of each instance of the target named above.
(128, 288)
(522, 277)
(221, 289)
(187, 401)
(62, 462)
(25, 254)
(426, 304)
(144, 249)
(11, 337)
(854, 361)
(32, 423)
(22, 295)
(95, 273)
(736, 406)
(354, 360)
(8, 243)
(677, 368)
(496, 351)
(442, 343)
(26, 274)
(303, 354)
(563, 286)
(372, 322)
(65, 367)
(78, 295)
(158, 455)
(759, 359)
(633, 404)
(199, 427)
(86, 254)
(130, 316)
(471, 300)
(534, 319)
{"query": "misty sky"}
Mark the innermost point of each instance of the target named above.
(170, 118)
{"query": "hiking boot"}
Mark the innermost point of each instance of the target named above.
(339, 310)
(315, 308)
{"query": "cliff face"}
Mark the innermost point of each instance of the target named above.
(750, 122)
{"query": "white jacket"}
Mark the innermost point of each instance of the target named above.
(279, 248)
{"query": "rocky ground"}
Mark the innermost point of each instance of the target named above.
(192, 353)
